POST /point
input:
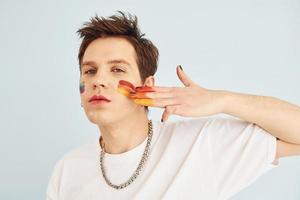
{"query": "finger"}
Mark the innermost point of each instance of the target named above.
(152, 95)
(163, 89)
(156, 102)
(169, 110)
(144, 102)
(165, 116)
(187, 81)
(144, 89)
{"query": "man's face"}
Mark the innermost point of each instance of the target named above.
(104, 63)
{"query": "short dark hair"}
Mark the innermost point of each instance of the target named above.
(125, 26)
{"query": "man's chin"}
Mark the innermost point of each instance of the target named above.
(96, 117)
(100, 117)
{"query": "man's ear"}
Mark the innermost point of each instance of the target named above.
(150, 81)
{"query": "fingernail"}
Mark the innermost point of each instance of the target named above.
(180, 67)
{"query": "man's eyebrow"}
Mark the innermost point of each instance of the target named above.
(118, 61)
(89, 63)
(115, 61)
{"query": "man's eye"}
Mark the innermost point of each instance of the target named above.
(87, 72)
(118, 70)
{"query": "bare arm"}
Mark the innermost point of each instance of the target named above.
(278, 117)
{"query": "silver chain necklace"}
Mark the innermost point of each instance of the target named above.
(138, 169)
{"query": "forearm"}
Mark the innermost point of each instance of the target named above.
(278, 117)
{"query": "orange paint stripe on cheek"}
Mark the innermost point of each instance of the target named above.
(144, 102)
(123, 91)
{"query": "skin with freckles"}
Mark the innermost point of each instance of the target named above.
(123, 124)
(106, 61)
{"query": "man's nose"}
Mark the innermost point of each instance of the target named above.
(99, 81)
(95, 85)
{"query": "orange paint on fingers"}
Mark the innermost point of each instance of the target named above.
(144, 89)
(127, 88)
(144, 102)
(139, 95)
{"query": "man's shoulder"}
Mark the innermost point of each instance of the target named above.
(84, 151)
(186, 127)
(213, 121)
(189, 123)
(203, 125)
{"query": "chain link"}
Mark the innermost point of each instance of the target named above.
(138, 169)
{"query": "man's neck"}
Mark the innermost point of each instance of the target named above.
(124, 135)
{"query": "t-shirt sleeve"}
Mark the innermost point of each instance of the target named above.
(52, 192)
(240, 152)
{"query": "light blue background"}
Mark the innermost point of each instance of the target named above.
(242, 46)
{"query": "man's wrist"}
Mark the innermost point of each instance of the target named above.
(224, 100)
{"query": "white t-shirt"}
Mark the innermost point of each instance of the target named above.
(199, 158)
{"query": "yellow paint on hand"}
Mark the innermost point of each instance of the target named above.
(144, 102)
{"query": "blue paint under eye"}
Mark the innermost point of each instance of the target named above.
(81, 87)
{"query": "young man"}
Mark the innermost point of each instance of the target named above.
(138, 158)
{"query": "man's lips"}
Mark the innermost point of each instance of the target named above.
(98, 98)
(99, 102)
